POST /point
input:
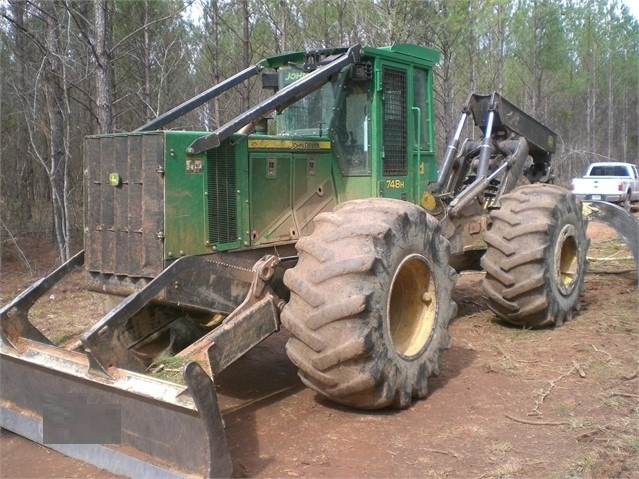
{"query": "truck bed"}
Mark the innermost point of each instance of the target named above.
(614, 182)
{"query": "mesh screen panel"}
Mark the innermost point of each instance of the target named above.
(395, 127)
(222, 197)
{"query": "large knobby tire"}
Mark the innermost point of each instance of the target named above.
(536, 258)
(370, 303)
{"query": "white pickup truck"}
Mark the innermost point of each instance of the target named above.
(611, 181)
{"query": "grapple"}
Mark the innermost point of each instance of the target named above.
(125, 422)
(96, 403)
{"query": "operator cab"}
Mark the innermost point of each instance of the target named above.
(339, 109)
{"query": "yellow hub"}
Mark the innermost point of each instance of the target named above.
(412, 306)
(566, 259)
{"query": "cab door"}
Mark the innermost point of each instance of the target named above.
(406, 133)
(423, 144)
(398, 178)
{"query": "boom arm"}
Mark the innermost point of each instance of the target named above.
(281, 99)
(200, 99)
(509, 137)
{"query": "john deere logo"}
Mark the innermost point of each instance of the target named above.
(114, 179)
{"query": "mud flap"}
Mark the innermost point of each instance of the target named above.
(622, 221)
(132, 425)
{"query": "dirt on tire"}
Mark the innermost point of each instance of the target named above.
(509, 402)
(370, 303)
(536, 258)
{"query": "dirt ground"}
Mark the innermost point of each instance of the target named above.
(558, 403)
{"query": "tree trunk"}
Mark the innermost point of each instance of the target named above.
(246, 52)
(103, 68)
(611, 115)
(147, 65)
(216, 60)
(448, 94)
(501, 40)
(26, 173)
(54, 94)
(283, 26)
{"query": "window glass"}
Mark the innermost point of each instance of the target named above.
(311, 115)
(350, 130)
(420, 100)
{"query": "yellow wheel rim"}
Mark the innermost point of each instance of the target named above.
(566, 259)
(412, 306)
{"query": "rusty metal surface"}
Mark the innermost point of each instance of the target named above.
(153, 428)
(512, 119)
(124, 218)
(219, 283)
(14, 317)
(161, 429)
(106, 343)
(249, 324)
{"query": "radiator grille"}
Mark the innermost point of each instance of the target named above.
(222, 194)
(395, 127)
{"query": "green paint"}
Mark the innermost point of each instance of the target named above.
(339, 143)
(185, 197)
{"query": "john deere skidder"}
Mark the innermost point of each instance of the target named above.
(321, 209)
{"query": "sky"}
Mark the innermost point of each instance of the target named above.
(633, 6)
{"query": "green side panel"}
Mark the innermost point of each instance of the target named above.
(423, 128)
(205, 196)
(313, 188)
(354, 187)
(402, 142)
(185, 197)
(291, 182)
(428, 173)
(243, 191)
(271, 216)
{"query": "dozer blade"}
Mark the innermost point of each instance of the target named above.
(622, 221)
(132, 424)
(96, 404)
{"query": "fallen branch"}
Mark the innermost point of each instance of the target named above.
(617, 271)
(551, 383)
(537, 423)
(447, 453)
(586, 434)
(624, 395)
(611, 258)
(602, 352)
(580, 371)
